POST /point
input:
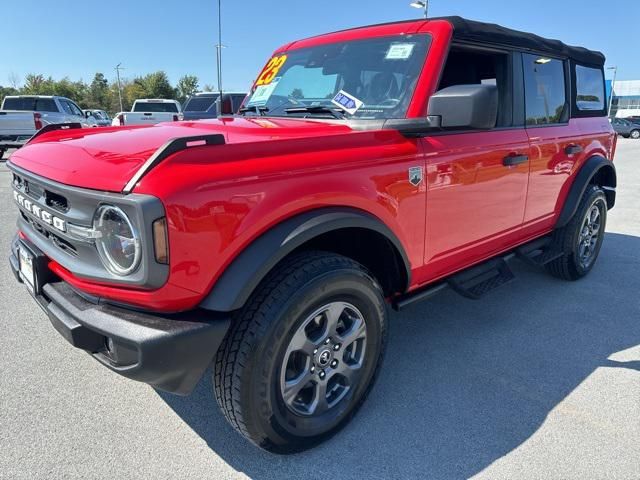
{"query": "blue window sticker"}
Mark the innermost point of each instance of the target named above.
(347, 102)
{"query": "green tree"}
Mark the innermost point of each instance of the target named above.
(36, 84)
(187, 86)
(4, 91)
(155, 85)
(98, 93)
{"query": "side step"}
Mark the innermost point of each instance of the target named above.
(538, 253)
(480, 280)
(477, 281)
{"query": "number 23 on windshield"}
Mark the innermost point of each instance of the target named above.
(271, 70)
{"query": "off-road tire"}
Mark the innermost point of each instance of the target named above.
(248, 363)
(566, 239)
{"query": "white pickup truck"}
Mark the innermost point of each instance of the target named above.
(149, 111)
(21, 116)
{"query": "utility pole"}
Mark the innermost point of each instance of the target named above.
(118, 68)
(613, 83)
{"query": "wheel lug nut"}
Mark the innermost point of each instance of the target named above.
(327, 341)
(321, 374)
(313, 369)
(334, 364)
(315, 351)
(336, 347)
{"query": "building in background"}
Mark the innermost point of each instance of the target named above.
(626, 98)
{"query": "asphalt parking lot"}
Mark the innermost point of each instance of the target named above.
(541, 379)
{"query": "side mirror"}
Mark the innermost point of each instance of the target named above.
(466, 106)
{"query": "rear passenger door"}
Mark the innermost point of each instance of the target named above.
(477, 180)
(556, 147)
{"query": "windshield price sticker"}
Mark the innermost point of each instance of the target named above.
(400, 51)
(263, 93)
(270, 72)
(347, 102)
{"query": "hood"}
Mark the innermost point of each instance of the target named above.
(106, 159)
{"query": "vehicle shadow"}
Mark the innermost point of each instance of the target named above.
(464, 383)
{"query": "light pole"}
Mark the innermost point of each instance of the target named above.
(424, 4)
(613, 82)
(219, 48)
(118, 68)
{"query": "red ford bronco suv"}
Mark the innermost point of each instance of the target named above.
(370, 167)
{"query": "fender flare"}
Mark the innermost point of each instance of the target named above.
(250, 267)
(593, 166)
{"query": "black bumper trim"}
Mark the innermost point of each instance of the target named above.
(169, 352)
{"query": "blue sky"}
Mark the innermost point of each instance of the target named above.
(76, 38)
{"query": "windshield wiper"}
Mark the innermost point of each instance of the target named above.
(335, 112)
(260, 109)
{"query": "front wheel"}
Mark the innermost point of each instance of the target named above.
(635, 134)
(581, 239)
(303, 353)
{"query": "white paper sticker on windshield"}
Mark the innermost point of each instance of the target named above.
(400, 51)
(347, 102)
(262, 93)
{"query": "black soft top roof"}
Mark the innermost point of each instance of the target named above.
(470, 30)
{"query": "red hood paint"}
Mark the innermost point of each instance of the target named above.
(106, 159)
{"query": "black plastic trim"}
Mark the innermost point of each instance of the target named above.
(55, 126)
(588, 171)
(168, 352)
(172, 146)
(247, 270)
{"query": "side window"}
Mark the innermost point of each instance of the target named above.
(589, 88)
(545, 90)
(75, 109)
(472, 67)
(66, 108)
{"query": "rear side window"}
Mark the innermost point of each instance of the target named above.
(200, 104)
(155, 107)
(46, 105)
(589, 89)
(545, 90)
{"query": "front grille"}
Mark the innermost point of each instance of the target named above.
(59, 242)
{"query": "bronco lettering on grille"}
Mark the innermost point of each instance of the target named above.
(39, 212)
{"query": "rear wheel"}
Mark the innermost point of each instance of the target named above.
(302, 355)
(581, 239)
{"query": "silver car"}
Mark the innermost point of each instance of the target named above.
(22, 116)
(101, 117)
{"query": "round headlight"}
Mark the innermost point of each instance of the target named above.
(117, 241)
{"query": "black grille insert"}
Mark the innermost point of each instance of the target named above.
(55, 201)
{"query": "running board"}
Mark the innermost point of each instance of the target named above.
(481, 279)
(477, 281)
(538, 253)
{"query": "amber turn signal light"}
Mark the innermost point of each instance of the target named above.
(161, 241)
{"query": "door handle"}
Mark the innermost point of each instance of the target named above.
(573, 149)
(511, 160)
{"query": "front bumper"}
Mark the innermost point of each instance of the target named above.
(169, 352)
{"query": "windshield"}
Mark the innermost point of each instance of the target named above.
(364, 79)
(155, 107)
